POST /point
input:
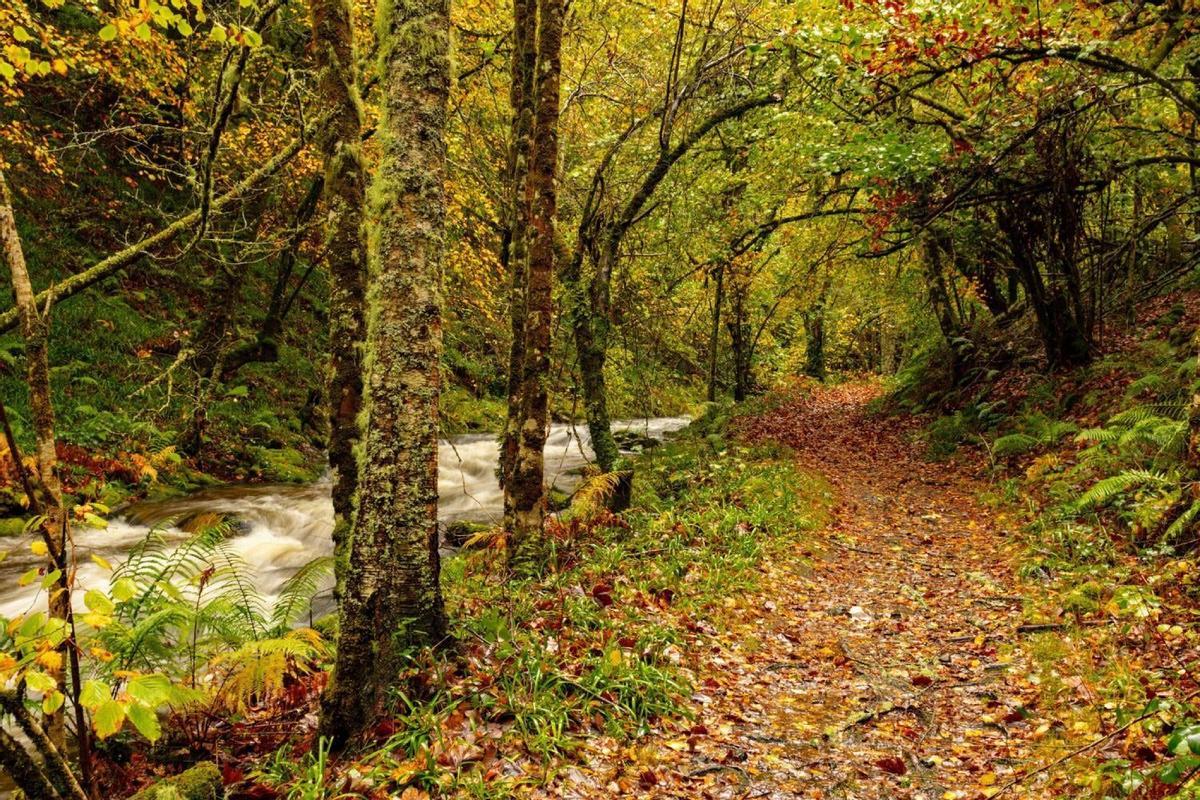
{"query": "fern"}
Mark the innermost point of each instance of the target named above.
(592, 497)
(257, 670)
(297, 593)
(191, 599)
(1109, 488)
(1014, 444)
(1181, 523)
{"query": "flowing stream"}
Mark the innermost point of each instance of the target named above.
(283, 527)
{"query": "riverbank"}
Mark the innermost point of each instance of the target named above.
(606, 647)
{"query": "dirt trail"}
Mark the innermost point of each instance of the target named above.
(875, 666)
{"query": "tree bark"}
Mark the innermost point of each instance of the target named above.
(516, 251)
(714, 333)
(35, 331)
(739, 337)
(393, 599)
(525, 491)
(344, 194)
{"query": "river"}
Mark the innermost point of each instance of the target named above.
(284, 526)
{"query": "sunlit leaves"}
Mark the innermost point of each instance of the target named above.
(108, 718)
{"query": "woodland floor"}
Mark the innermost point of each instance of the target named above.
(885, 662)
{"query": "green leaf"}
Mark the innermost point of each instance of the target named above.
(108, 33)
(123, 589)
(29, 577)
(150, 690)
(32, 625)
(1184, 741)
(99, 602)
(51, 578)
(40, 681)
(21, 35)
(108, 718)
(217, 34)
(143, 31)
(52, 702)
(94, 521)
(145, 720)
(93, 693)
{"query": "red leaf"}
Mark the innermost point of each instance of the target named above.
(892, 764)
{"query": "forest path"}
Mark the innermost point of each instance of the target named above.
(876, 665)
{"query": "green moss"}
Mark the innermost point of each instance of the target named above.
(287, 465)
(201, 782)
(11, 526)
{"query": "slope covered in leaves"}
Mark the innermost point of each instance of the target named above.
(900, 656)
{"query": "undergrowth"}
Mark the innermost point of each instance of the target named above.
(603, 645)
(1092, 465)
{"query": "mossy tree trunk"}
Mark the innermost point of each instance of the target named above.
(525, 491)
(515, 255)
(714, 331)
(344, 195)
(392, 599)
(739, 336)
(35, 330)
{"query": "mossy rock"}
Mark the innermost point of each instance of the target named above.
(457, 534)
(11, 526)
(557, 500)
(201, 782)
(287, 465)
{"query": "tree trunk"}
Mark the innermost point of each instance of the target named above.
(526, 485)
(591, 332)
(345, 250)
(393, 599)
(714, 333)
(516, 252)
(814, 341)
(35, 331)
(739, 336)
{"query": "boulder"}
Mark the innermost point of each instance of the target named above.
(201, 782)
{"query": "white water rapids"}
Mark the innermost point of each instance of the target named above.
(284, 527)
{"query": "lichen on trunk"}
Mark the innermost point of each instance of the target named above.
(392, 600)
(345, 252)
(525, 491)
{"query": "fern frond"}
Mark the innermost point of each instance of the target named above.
(591, 498)
(257, 670)
(1184, 521)
(297, 593)
(1014, 444)
(1141, 413)
(1105, 490)
(1098, 435)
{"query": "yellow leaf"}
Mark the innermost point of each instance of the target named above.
(38, 547)
(51, 660)
(102, 654)
(987, 779)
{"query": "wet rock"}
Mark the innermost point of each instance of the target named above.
(201, 782)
